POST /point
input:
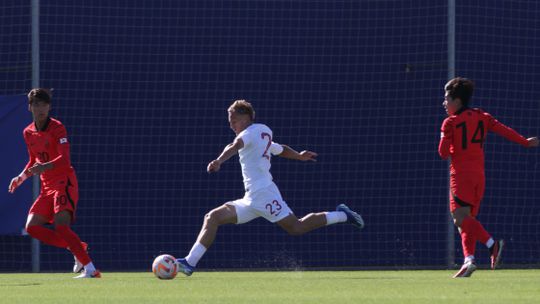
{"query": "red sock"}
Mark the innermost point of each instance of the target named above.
(47, 236)
(476, 227)
(74, 243)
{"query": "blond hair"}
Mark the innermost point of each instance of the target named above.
(242, 107)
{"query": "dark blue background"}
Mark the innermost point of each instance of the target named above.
(143, 89)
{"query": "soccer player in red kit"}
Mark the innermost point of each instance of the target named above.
(48, 148)
(463, 134)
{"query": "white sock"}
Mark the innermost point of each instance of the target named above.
(469, 259)
(334, 217)
(490, 243)
(89, 267)
(196, 253)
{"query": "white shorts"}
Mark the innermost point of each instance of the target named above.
(266, 202)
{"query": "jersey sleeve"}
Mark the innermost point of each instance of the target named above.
(275, 148)
(446, 138)
(501, 129)
(62, 145)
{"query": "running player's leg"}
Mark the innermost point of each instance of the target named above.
(468, 241)
(62, 221)
(495, 246)
(268, 203)
(462, 199)
(66, 197)
(468, 237)
(468, 190)
(481, 234)
(224, 214)
(40, 214)
(35, 228)
(296, 226)
(312, 221)
(462, 202)
(472, 225)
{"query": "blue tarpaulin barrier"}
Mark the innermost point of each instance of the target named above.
(14, 117)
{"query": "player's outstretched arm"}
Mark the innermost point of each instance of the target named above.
(290, 153)
(230, 150)
(510, 134)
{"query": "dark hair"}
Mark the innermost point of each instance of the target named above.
(461, 88)
(40, 94)
(242, 107)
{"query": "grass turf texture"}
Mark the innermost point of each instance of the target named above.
(486, 286)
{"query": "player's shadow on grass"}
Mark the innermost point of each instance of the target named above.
(372, 278)
(20, 284)
(357, 278)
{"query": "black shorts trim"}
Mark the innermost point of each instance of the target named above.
(68, 196)
(460, 202)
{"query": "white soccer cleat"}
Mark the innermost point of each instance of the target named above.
(466, 270)
(87, 275)
(78, 266)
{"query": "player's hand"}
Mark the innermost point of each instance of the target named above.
(213, 166)
(15, 183)
(533, 142)
(307, 155)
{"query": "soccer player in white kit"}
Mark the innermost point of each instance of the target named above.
(253, 143)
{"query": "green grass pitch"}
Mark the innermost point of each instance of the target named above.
(336, 287)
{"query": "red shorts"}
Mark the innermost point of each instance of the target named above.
(55, 196)
(467, 189)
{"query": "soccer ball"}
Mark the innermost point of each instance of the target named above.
(164, 267)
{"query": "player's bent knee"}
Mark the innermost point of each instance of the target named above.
(209, 219)
(63, 218)
(458, 220)
(214, 218)
(35, 220)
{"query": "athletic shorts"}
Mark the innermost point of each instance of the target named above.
(266, 202)
(56, 196)
(467, 189)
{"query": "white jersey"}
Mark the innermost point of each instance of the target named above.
(255, 156)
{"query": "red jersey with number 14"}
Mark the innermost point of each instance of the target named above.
(463, 135)
(48, 145)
